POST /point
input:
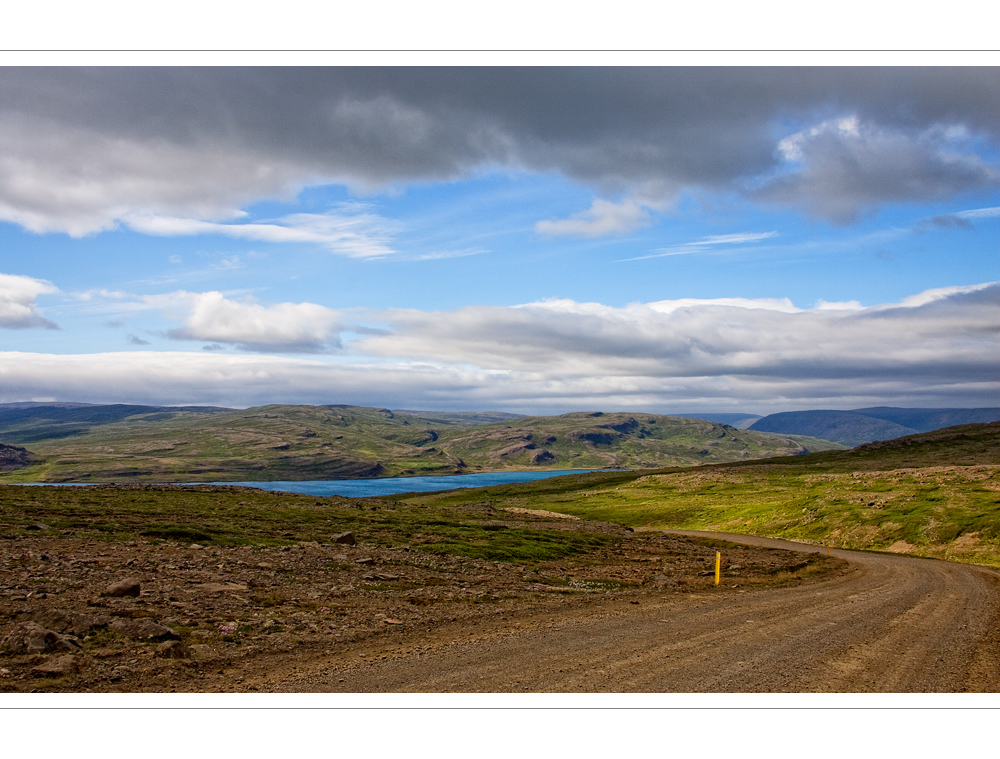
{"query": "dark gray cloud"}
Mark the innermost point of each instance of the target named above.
(946, 221)
(84, 148)
(848, 169)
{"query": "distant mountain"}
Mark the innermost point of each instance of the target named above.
(870, 424)
(928, 419)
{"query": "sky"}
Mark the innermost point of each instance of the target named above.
(535, 240)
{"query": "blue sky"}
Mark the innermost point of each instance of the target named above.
(538, 241)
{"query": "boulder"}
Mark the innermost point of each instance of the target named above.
(71, 623)
(122, 588)
(144, 629)
(347, 538)
(58, 667)
(173, 649)
(32, 638)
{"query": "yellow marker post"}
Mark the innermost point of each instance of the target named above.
(718, 566)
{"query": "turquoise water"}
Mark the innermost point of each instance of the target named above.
(393, 485)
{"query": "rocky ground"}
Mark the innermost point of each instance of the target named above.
(88, 616)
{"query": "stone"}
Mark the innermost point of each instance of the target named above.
(365, 562)
(58, 667)
(122, 588)
(346, 538)
(201, 651)
(32, 638)
(70, 623)
(172, 649)
(143, 629)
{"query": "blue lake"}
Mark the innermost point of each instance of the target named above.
(393, 485)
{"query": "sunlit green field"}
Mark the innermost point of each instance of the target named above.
(938, 497)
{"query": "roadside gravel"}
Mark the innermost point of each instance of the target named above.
(890, 624)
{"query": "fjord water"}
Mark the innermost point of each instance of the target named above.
(394, 485)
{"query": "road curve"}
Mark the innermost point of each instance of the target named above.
(891, 624)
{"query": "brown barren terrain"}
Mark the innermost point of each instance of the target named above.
(321, 617)
(336, 618)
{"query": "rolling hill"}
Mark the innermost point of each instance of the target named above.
(933, 494)
(281, 442)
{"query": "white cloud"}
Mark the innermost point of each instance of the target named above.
(845, 305)
(602, 219)
(282, 327)
(939, 293)
(980, 213)
(950, 335)
(938, 348)
(351, 231)
(698, 246)
(17, 302)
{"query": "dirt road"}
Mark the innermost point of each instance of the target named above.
(891, 624)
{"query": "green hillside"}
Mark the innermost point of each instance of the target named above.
(149, 444)
(935, 494)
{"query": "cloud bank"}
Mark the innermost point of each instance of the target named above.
(937, 348)
(86, 149)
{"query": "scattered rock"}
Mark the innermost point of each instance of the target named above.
(201, 651)
(347, 538)
(173, 649)
(365, 561)
(144, 629)
(392, 621)
(122, 588)
(58, 667)
(32, 638)
(70, 623)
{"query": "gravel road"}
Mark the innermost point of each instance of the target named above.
(890, 624)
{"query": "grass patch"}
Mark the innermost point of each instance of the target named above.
(231, 516)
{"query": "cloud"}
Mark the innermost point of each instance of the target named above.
(960, 219)
(700, 245)
(282, 327)
(850, 169)
(87, 148)
(938, 348)
(950, 220)
(602, 219)
(348, 231)
(17, 302)
(950, 335)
